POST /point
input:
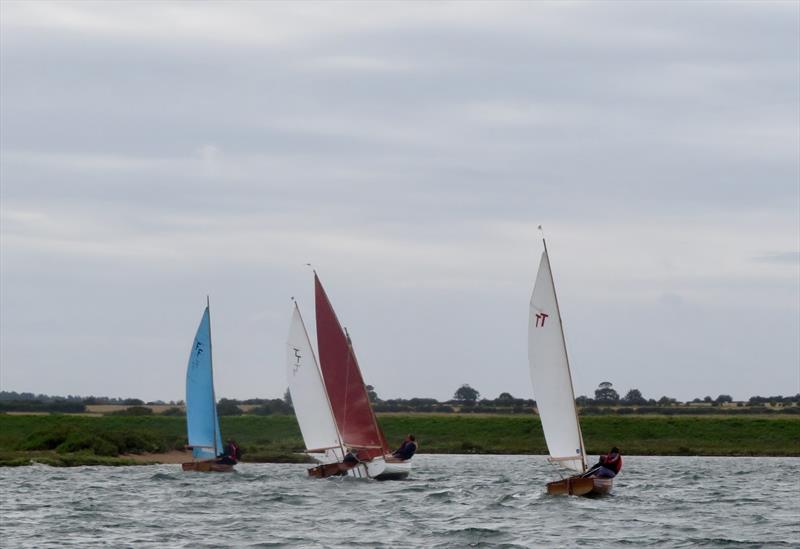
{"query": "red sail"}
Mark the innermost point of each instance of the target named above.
(344, 384)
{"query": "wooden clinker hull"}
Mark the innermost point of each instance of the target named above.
(209, 466)
(580, 486)
(378, 469)
(329, 470)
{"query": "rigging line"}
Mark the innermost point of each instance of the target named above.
(346, 380)
(566, 355)
(557, 468)
(213, 393)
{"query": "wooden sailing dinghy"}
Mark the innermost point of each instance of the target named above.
(331, 401)
(553, 391)
(202, 423)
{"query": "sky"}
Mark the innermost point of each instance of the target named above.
(153, 153)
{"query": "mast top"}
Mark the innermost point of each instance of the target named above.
(541, 235)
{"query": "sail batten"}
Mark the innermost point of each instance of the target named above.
(550, 373)
(309, 398)
(344, 383)
(202, 422)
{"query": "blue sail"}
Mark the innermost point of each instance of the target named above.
(201, 410)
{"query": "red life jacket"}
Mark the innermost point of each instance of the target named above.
(615, 464)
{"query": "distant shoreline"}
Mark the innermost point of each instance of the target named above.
(72, 440)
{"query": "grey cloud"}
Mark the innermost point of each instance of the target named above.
(150, 156)
(788, 258)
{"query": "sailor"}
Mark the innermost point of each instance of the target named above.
(407, 449)
(608, 466)
(351, 457)
(231, 454)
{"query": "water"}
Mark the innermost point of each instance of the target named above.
(450, 501)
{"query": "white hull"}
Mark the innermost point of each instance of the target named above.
(380, 469)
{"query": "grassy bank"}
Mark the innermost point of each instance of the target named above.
(78, 440)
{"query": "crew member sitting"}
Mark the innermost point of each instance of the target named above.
(351, 457)
(407, 449)
(231, 454)
(608, 466)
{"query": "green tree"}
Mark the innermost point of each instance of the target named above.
(634, 396)
(605, 394)
(373, 396)
(465, 393)
(226, 407)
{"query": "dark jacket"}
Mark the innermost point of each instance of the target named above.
(406, 451)
(231, 451)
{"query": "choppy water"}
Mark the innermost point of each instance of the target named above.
(450, 501)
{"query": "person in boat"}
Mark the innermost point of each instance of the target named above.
(351, 457)
(407, 449)
(608, 465)
(231, 454)
(350, 460)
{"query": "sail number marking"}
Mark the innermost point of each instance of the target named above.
(540, 318)
(296, 365)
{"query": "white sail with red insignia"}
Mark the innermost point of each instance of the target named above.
(550, 374)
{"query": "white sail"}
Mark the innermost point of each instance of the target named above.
(309, 398)
(552, 382)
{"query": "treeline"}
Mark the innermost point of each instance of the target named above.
(54, 406)
(466, 399)
(13, 396)
(605, 394)
(12, 401)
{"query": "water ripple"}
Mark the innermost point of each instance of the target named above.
(449, 501)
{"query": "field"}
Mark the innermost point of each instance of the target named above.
(77, 440)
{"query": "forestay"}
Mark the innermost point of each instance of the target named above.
(552, 383)
(343, 383)
(201, 410)
(309, 398)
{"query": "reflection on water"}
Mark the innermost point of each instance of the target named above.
(449, 501)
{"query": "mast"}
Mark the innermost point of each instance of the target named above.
(213, 394)
(566, 355)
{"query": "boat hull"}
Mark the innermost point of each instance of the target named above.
(580, 486)
(378, 469)
(602, 486)
(390, 469)
(209, 466)
(326, 470)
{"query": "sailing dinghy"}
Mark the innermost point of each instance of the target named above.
(552, 386)
(202, 423)
(331, 401)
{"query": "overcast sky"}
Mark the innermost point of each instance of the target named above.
(156, 152)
